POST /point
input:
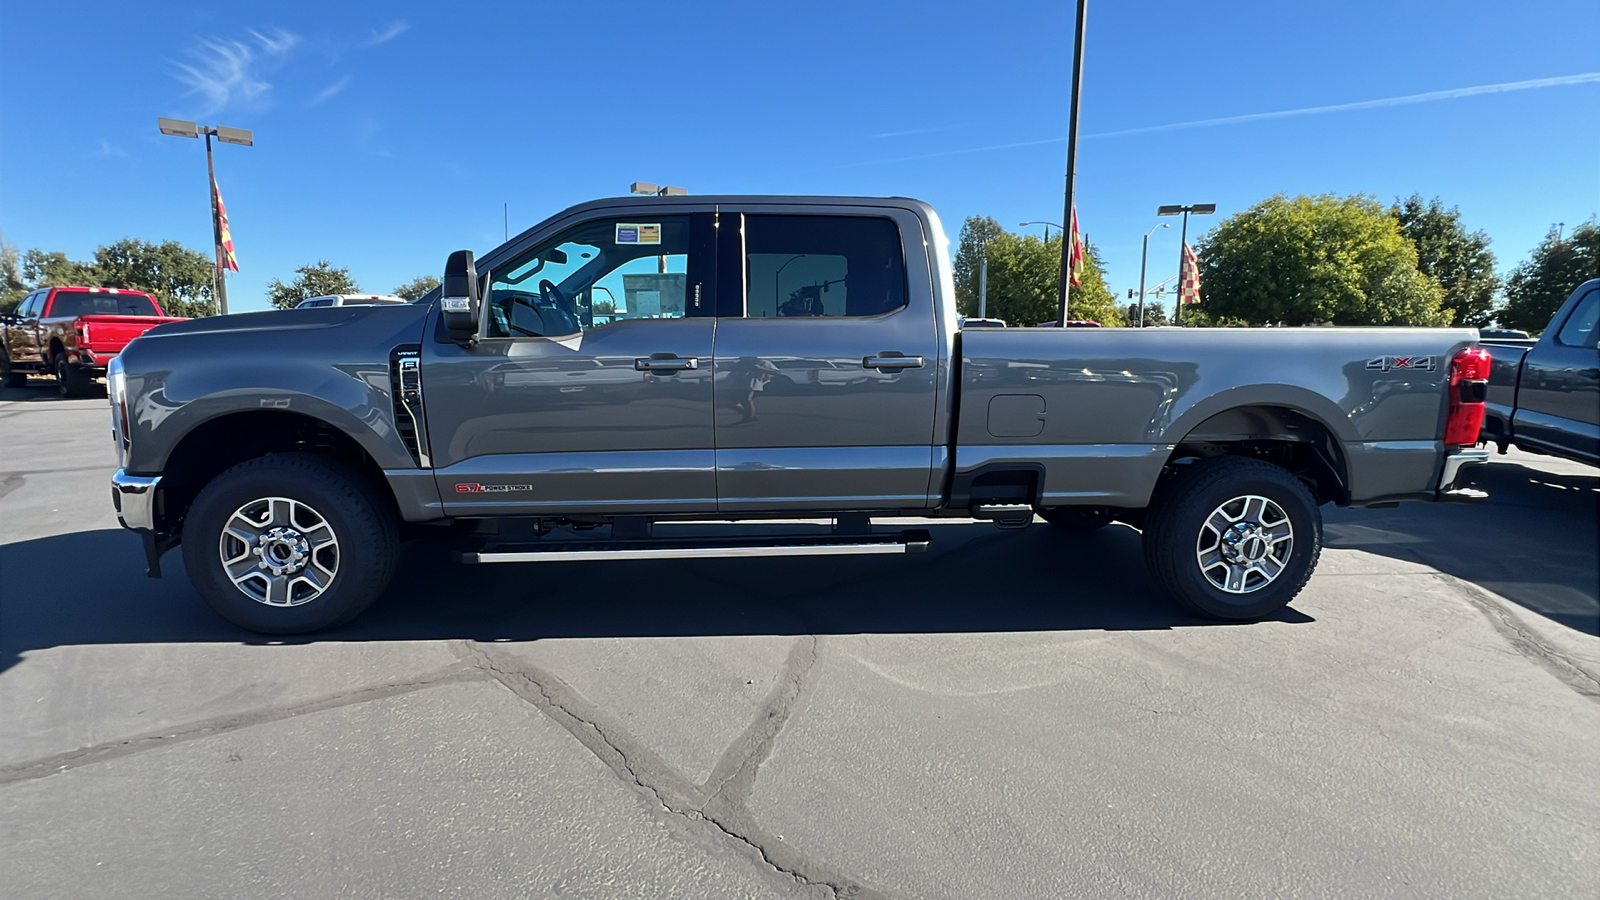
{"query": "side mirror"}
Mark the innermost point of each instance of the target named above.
(459, 296)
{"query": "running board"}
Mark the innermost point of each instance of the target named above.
(702, 548)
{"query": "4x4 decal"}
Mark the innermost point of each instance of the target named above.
(1415, 363)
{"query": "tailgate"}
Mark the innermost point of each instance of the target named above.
(109, 334)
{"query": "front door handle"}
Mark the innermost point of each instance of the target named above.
(888, 361)
(666, 364)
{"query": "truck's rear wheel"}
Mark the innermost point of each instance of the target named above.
(289, 543)
(1233, 538)
(71, 380)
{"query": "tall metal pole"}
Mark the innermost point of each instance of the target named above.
(1183, 251)
(983, 288)
(220, 284)
(1072, 158)
(1144, 253)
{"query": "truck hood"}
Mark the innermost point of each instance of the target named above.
(295, 320)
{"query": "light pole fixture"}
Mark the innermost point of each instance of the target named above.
(186, 129)
(1199, 209)
(1046, 228)
(648, 189)
(1144, 254)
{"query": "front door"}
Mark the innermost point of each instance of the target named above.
(1558, 398)
(589, 390)
(826, 383)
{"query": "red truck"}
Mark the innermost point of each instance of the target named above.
(73, 333)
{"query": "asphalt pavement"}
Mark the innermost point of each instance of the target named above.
(1013, 714)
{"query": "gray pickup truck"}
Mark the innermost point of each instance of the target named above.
(1544, 395)
(632, 363)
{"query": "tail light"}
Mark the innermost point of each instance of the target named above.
(83, 333)
(1469, 385)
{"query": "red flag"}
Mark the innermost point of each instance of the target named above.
(224, 237)
(1189, 278)
(1075, 262)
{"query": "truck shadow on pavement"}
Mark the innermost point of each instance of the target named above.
(974, 579)
(1533, 541)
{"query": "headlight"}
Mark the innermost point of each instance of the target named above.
(117, 393)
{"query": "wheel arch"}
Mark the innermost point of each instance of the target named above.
(1289, 436)
(222, 442)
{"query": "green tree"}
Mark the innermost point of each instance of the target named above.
(1538, 287)
(976, 233)
(54, 269)
(1024, 277)
(1324, 260)
(1154, 313)
(179, 278)
(1461, 262)
(416, 287)
(316, 280)
(12, 287)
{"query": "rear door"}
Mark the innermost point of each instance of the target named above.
(1558, 398)
(826, 361)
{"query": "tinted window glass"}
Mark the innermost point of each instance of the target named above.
(594, 274)
(70, 304)
(1579, 328)
(822, 266)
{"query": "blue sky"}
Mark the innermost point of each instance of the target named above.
(389, 134)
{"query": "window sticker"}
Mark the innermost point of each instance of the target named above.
(638, 233)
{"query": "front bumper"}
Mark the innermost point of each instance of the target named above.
(1457, 474)
(134, 497)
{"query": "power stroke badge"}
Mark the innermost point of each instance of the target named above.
(1412, 363)
(472, 487)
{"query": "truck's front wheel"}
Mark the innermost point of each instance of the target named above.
(1233, 538)
(289, 543)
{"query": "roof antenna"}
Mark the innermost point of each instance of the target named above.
(508, 220)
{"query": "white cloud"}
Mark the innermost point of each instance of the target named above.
(229, 73)
(109, 149)
(1408, 99)
(389, 32)
(328, 91)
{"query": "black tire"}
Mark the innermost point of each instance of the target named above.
(1078, 519)
(71, 380)
(9, 376)
(362, 521)
(1175, 527)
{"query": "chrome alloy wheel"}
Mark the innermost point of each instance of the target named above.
(1245, 544)
(279, 552)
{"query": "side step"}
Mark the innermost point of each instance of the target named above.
(702, 548)
(1004, 515)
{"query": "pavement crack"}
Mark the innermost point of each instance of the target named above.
(671, 793)
(1525, 642)
(30, 770)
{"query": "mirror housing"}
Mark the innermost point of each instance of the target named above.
(460, 296)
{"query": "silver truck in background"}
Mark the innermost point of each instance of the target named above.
(1544, 395)
(632, 363)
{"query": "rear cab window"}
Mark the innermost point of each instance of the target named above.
(71, 304)
(822, 266)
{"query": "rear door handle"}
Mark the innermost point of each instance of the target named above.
(666, 364)
(891, 362)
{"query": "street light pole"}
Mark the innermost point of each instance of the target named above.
(1144, 254)
(1199, 209)
(1046, 228)
(186, 129)
(1072, 158)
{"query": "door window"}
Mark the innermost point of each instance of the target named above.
(597, 273)
(1579, 329)
(822, 266)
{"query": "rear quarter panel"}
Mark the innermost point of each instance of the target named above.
(1117, 401)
